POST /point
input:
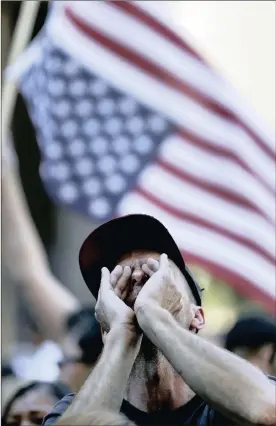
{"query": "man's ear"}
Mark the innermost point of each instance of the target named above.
(198, 321)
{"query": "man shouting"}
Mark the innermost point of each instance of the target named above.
(154, 367)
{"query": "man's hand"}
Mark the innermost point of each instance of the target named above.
(111, 311)
(159, 289)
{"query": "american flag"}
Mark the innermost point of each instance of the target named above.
(130, 118)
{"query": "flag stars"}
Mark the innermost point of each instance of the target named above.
(84, 167)
(143, 144)
(91, 127)
(84, 108)
(94, 138)
(127, 106)
(53, 151)
(77, 148)
(60, 171)
(107, 164)
(71, 68)
(135, 125)
(77, 87)
(113, 125)
(62, 108)
(99, 146)
(56, 87)
(157, 124)
(53, 64)
(99, 207)
(92, 186)
(68, 192)
(98, 88)
(121, 145)
(106, 107)
(69, 129)
(115, 184)
(129, 163)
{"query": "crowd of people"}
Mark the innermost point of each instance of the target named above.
(137, 357)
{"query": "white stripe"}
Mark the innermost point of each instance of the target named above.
(159, 97)
(187, 198)
(159, 50)
(208, 245)
(216, 170)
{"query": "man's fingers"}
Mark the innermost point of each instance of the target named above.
(164, 262)
(148, 271)
(121, 288)
(105, 276)
(115, 275)
(105, 280)
(153, 264)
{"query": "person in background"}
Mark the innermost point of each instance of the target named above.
(24, 255)
(254, 339)
(59, 314)
(31, 402)
(154, 367)
(83, 329)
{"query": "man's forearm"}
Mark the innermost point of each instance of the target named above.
(106, 385)
(229, 383)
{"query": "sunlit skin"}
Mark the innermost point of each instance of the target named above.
(30, 409)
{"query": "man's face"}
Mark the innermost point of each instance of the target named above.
(138, 277)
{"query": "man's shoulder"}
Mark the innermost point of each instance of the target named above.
(57, 411)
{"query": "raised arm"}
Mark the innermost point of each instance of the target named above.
(26, 260)
(106, 385)
(230, 384)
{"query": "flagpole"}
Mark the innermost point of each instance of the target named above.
(22, 34)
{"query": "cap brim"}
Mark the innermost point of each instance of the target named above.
(110, 241)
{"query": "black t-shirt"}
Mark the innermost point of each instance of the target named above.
(195, 413)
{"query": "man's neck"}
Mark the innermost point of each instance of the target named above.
(154, 384)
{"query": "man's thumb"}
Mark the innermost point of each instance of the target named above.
(105, 279)
(163, 260)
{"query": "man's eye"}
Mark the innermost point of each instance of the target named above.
(36, 420)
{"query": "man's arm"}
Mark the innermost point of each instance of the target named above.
(27, 262)
(106, 385)
(232, 385)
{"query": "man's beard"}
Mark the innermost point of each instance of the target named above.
(133, 294)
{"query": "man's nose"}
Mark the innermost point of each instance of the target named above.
(137, 276)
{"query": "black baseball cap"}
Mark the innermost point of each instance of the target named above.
(251, 332)
(110, 241)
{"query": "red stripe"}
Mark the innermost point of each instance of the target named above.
(223, 152)
(190, 218)
(134, 11)
(138, 61)
(244, 287)
(223, 193)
